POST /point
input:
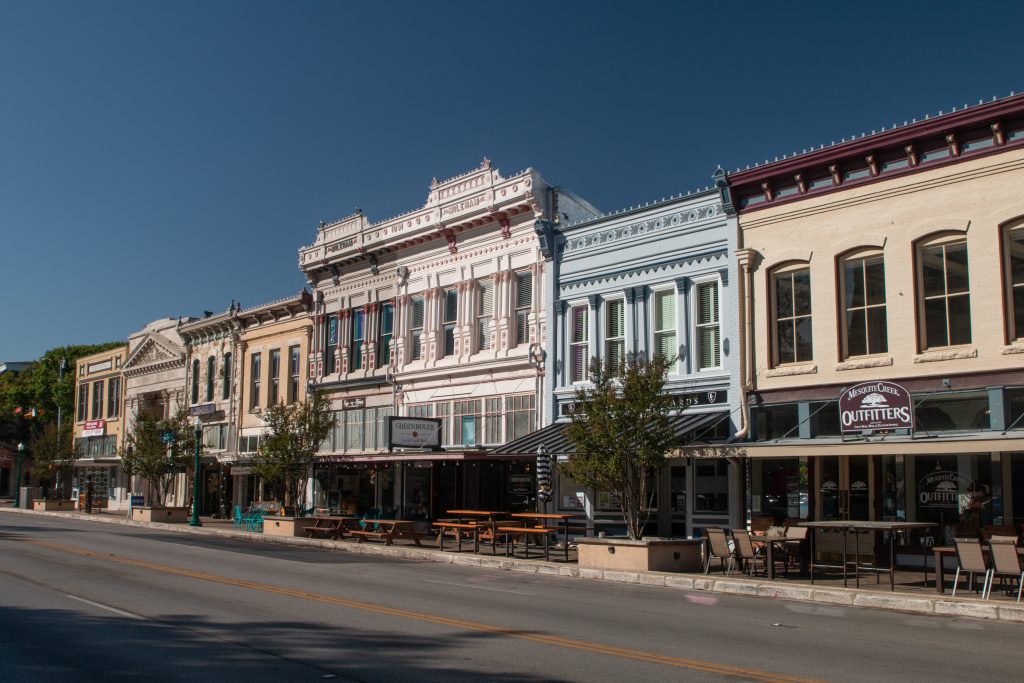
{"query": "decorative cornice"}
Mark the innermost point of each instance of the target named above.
(642, 228)
(568, 284)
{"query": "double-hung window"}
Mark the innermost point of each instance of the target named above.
(254, 381)
(945, 294)
(114, 397)
(484, 315)
(275, 377)
(579, 341)
(97, 400)
(83, 401)
(615, 333)
(293, 374)
(195, 381)
(864, 312)
(211, 372)
(1013, 250)
(792, 316)
(709, 346)
(449, 316)
(416, 309)
(355, 352)
(524, 303)
(225, 390)
(386, 326)
(665, 323)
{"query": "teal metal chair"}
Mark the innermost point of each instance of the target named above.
(237, 521)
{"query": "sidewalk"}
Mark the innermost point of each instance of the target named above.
(920, 602)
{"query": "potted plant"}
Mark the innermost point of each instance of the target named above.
(622, 435)
(155, 451)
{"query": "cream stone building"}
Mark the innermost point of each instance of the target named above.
(437, 313)
(273, 352)
(897, 256)
(99, 426)
(154, 373)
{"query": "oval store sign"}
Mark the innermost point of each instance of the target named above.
(875, 406)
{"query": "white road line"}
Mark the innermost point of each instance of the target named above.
(106, 607)
(479, 588)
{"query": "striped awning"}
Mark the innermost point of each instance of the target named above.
(554, 440)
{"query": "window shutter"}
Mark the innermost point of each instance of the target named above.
(579, 324)
(417, 313)
(486, 304)
(524, 290)
(664, 311)
(707, 304)
(615, 318)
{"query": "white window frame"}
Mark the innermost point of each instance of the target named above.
(606, 339)
(416, 332)
(584, 343)
(671, 291)
(696, 326)
(522, 311)
(922, 315)
(484, 315)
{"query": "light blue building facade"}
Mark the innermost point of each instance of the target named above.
(660, 278)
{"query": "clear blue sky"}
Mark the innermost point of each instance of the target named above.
(162, 158)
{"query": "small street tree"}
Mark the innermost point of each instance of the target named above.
(621, 433)
(54, 454)
(157, 449)
(292, 437)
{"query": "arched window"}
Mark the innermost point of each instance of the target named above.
(944, 292)
(226, 386)
(195, 381)
(211, 369)
(791, 314)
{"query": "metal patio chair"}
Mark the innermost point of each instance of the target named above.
(718, 549)
(970, 559)
(1005, 562)
(746, 552)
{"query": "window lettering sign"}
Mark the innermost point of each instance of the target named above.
(945, 489)
(353, 403)
(875, 406)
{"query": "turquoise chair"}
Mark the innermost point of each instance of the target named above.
(237, 521)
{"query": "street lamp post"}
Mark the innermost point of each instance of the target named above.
(17, 479)
(195, 476)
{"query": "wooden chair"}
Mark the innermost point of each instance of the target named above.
(1005, 562)
(718, 549)
(970, 559)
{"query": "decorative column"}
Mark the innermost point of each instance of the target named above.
(400, 329)
(369, 350)
(342, 363)
(683, 323)
(594, 344)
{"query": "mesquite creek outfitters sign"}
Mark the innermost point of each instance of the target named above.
(414, 432)
(876, 406)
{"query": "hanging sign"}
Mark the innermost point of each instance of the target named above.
(875, 406)
(414, 432)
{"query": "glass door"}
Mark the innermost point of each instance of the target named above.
(844, 488)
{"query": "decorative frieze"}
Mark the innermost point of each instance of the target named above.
(644, 227)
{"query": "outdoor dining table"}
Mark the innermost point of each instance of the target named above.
(847, 525)
(543, 517)
(769, 544)
(333, 526)
(394, 528)
(942, 551)
(474, 515)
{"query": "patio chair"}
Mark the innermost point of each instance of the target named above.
(236, 520)
(747, 553)
(970, 559)
(1005, 562)
(718, 549)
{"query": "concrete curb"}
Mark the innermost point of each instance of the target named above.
(938, 605)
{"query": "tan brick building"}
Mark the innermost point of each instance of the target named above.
(99, 425)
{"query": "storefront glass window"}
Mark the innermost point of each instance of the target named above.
(961, 411)
(778, 488)
(894, 490)
(678, 489)
(956, 492)
(825, 418)
(711, 486)
(776, 421)
(417, 492)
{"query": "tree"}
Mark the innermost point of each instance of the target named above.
(157, 449)
(291, 440)
(54, 454)
(621, 433)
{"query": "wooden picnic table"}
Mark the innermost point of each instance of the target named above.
(458, 528)
(332, 527)
(387, 530)
(467, 516)
(543, 518)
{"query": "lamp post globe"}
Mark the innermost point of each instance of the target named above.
(194, 521)
(17, 478)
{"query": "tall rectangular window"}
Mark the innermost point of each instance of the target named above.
(665, 323)
(484, 315)
(355, 351)
(97, 400)
(293, 374)
(443, 410)
(225, 391)
(275, 377)
(520, 416)
(466, 419)
(254, 381)
(416, 310)
(330, 344)
(864, 312)
(579, 340)
(449, 317)
(792, 313)
(195, 381)
(353, 430)
(709, 348)
(524, 303)
(211, 373)
(946, 294)
(615, 332)
(492, 420)
(113, 397)
(1014, 253)
(386, 326)
(83, 401)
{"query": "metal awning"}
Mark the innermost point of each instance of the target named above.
(554, 440)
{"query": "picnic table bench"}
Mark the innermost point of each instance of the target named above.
(332, 528)
(526, 532)
(386, 530)
(458, 530)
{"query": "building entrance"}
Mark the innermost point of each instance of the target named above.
(844, 487)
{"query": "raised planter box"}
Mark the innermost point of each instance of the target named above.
(287, 526)
(168, 515)
(55, 505)
(648, 554)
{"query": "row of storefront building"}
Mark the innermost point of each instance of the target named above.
(895, 256)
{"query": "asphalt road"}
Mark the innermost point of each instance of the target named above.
(83, 601)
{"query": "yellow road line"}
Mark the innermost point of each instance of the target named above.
(626, 653)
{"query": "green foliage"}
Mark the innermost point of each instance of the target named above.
(147, 455)
(621, 433)
(291, 440)
(54, 455)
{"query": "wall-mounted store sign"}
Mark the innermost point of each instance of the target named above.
(204, 409)
(945, 489)
(353, 403)
(414, 432)
(875, 407)
(94, 428)
(689, 400)
(241, 469)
